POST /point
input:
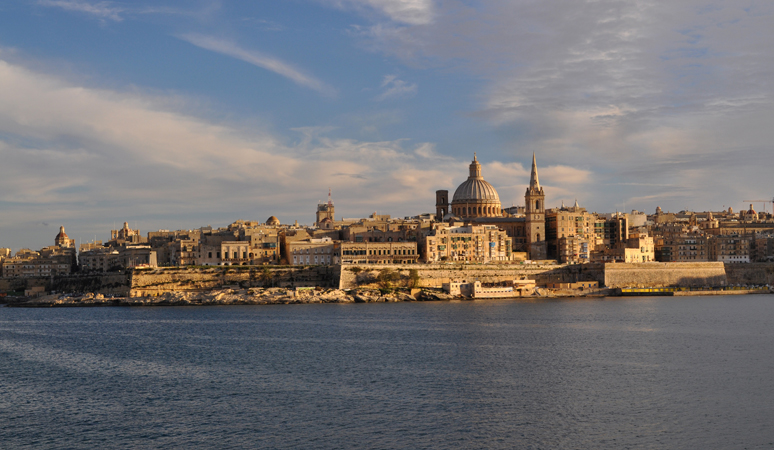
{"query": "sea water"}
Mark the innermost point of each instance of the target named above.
(647, 372)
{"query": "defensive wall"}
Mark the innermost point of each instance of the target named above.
(102, 283)
(434, 275)
(750, 274)
(151, 282)
(655, 274)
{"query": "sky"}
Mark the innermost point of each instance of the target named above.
(178, 115)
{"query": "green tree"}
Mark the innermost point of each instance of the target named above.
(413, 281)
(387, 277)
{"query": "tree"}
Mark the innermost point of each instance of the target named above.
(387, 277)
(266, 276)
(413, 281)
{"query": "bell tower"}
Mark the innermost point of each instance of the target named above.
(441, 205)
(535, 212)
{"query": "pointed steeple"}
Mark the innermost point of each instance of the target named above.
(534, 183)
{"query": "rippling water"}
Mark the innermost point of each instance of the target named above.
(621, 373)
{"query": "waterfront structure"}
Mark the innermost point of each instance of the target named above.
(475, 289)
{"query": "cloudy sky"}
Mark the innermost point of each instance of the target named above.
(176, 115)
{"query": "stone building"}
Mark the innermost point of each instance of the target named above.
(325, 214)
(730, 248)
(59, 259)
(573, 224)
(467, 243)
(98, 259)
(379, 252)
(313, 251)
(477, 202)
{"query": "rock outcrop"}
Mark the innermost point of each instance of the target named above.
(253, 296)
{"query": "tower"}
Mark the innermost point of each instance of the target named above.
(441, 204)
(325, 213)
(535, 229)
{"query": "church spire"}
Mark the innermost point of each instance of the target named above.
(534, 183)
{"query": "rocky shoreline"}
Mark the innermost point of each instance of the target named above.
(254, 296)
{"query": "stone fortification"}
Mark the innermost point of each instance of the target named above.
(672, 274)
(750, 274)
(434, 275)
(152, 282)
(103, 283)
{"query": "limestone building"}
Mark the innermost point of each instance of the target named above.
(476, 202)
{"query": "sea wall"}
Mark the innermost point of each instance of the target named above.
(103, 283)
(434, 275)
(151, 282)
(674, 274)
(750, 274)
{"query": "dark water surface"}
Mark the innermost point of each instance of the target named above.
(654, 372)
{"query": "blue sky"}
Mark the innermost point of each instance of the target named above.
(177, 115)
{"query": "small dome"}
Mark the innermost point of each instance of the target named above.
(272, 221)
(62, 234)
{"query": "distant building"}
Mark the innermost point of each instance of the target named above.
(56, 260)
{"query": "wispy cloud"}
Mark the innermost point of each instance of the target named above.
(86, 157)
(393, 87)
(102, 10)
(258, 59)
(412, 12)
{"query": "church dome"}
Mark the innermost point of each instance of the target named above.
(474, 190)
(475, 197)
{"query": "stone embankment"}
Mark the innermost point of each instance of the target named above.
(259, 296)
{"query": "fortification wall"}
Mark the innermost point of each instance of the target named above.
(150, 282)
(750, 274)
(102, 283)
(434, 275)
(676, 274)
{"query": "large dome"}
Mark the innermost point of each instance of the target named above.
(474, 190)
(475, 197)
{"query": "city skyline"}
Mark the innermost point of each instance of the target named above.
(171, 117)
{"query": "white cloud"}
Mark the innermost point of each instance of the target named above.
(102, 10)
(393, 87)
(258, 59)
(411, 12)
(634, 92)
(88, 158)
